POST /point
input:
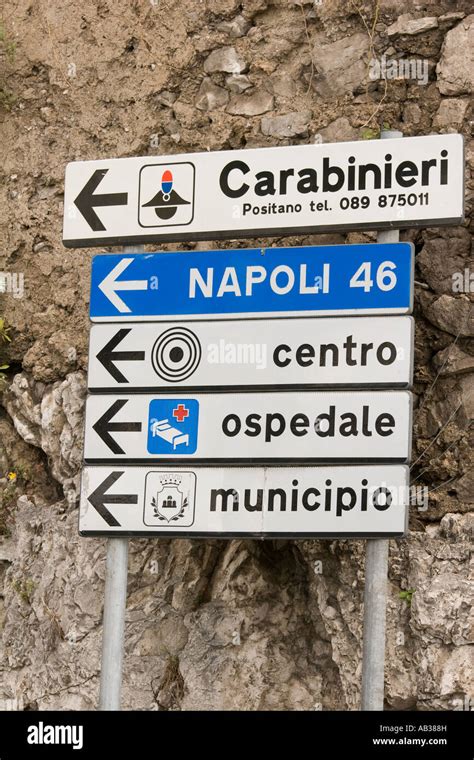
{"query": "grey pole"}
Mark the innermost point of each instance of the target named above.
(115, 602)
(376, 574)
(114, 622)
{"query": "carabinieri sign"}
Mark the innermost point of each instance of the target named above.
(260, 282)
(266, 191)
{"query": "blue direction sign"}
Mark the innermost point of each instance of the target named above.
(259, 282)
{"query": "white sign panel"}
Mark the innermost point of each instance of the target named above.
(374, 351)
(269, 191)
(304, 501)
(250, 427)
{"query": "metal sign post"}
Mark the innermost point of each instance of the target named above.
(115, 601)
(376, 574)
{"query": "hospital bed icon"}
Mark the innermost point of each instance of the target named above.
(163, 429)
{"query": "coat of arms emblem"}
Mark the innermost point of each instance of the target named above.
(169, 502)
(169, 499)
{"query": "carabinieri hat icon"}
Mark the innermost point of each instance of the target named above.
(166, 200)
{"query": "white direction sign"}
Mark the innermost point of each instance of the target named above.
(275, 501)
(269, 191)
(342, 351)
(250, 427)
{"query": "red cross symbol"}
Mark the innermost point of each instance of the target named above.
(180, 412)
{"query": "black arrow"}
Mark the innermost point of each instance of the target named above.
(107, 356)
(100, 497)
(104, 426)
(86, 201)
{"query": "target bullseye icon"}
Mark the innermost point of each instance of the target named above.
(176, 354)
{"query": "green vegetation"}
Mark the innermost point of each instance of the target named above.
(370, 133)
(4, 338)
(407, 595)
(7, 46)
(24, 588)
(373, 133)
(7, 99)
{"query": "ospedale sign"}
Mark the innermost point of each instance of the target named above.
(357, 185)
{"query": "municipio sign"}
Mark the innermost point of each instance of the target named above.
(369, 184)
(364, 501)
(253, 353)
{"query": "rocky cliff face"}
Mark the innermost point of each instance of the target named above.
(215, 624)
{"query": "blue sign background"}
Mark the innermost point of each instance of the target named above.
(173, 426)
(170, 271)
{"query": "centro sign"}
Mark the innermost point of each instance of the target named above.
(299, 353)
(272, 191)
